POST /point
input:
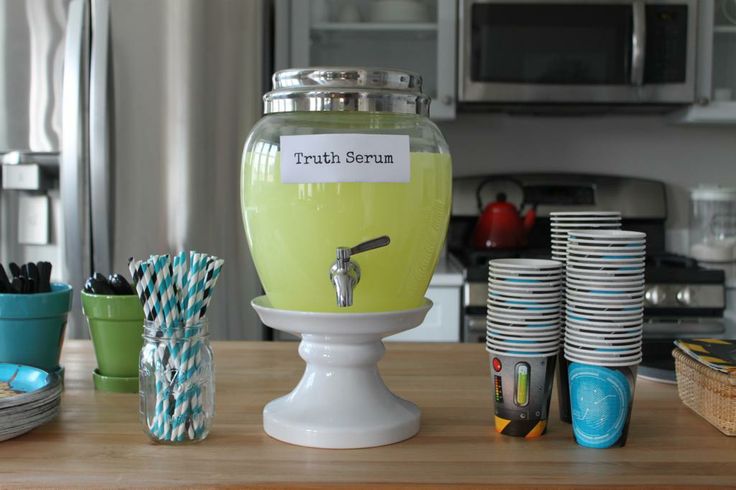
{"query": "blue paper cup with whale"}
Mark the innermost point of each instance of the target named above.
(604, 313)
(561, 225)
(601, 401)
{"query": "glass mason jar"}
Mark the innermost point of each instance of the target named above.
(177, 382)
(343, 156)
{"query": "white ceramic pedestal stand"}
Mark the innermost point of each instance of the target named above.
(341, 401)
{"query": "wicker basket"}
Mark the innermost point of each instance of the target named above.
(710, 393)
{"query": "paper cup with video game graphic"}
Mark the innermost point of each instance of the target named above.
(531, 344)
(522, 324)
(505, 314)
(521, 388)
(523, 283)
(546, 295)
(530, 265)
(524, 309)
(520, 289)
(526, 331)
(522, 300)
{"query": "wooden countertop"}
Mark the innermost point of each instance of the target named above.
(98, 441)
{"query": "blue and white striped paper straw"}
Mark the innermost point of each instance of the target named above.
(175, 298)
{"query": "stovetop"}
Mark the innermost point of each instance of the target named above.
(676, 286)
(660, 267)
(681, 298)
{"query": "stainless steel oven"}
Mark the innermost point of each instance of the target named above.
(577, 51)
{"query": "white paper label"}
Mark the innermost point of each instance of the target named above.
(313, 158)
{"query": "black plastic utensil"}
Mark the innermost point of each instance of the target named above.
(33, 276)
(119, 284)
(29, 278)
(5, 285)
(44, 281)
(100, 285)
(14, 269)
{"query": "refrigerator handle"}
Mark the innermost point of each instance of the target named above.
(73, 159)
(100, 111)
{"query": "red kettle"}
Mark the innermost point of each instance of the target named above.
(500, 224)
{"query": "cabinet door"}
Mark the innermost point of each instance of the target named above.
(716, 65)
(442, 323)
(419, 38)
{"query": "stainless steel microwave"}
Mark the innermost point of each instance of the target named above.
(577, 51)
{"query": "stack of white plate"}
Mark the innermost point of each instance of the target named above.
(524, 298)
(605, 297)
(29, 397)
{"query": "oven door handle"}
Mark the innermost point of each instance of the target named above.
(477, 323)
(638, 43)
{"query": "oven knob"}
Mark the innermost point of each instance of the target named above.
(655, 295)
(685, 296)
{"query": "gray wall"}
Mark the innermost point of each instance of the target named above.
(647, 146)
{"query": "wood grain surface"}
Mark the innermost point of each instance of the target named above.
(97, 440)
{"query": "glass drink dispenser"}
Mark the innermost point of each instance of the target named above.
(346, 191)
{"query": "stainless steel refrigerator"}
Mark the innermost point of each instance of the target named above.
(121, 127)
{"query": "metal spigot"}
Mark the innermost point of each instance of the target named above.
(345, 273)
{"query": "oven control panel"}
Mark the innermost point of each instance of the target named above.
(684, 296)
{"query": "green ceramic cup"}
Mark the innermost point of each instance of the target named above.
(116, 327)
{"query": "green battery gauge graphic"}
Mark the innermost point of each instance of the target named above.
(521, 384)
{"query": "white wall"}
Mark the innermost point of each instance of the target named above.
(636, 145)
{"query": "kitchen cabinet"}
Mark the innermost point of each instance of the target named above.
(716, 62)
(442, 323)
(417, 35)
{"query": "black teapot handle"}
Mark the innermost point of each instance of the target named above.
(496, 178)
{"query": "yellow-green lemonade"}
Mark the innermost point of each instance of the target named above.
(294, 229)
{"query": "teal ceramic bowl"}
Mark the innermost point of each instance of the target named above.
(32, 326)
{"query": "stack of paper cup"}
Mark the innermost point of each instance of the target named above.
(563, 222)
(560, 224)
(604, 312)
(523, 338)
